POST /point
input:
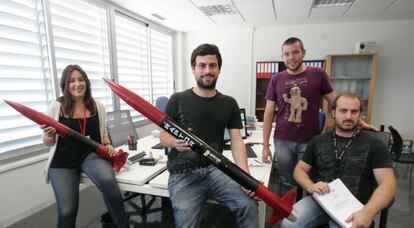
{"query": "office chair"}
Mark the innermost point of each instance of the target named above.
(397, 148)
(322, 118)
(396, 152)
(161, 103)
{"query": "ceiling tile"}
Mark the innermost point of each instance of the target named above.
(368, 7)
(292, 9)
(228, 19)
(211, 2)
(184, 15)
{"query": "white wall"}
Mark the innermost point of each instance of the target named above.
(236, 51)
(394, 86)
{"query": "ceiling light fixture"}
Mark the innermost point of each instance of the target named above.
(216, 10)
(331, 3)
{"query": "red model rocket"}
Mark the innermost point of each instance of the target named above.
(118, 161)
(282, 207)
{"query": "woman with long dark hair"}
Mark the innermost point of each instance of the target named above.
(69, 157)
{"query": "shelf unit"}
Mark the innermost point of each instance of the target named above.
(353, 72)
(264, 71)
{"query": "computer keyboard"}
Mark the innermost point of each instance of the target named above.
(137, 156)
(250, 152)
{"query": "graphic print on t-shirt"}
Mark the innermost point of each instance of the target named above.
(297, 103)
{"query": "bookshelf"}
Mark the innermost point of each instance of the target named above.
(353, 72)
(264, 72)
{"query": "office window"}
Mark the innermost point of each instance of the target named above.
(161, 64)
(132, 59)
(39, 38)
(80, 36)
(24, 71)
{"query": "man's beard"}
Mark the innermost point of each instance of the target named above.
(210, 86)
(296, 68)
(352, 129)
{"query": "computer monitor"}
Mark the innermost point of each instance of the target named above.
(243, 131)
(119, 126)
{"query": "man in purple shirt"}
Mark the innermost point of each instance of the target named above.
(297, 92)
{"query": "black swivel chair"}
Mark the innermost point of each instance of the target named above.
(397, 148)
(397, 152)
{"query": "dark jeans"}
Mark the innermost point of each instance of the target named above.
(65, 183)
(189, 192)
(288, 154)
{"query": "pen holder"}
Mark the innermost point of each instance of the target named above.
(132, 146)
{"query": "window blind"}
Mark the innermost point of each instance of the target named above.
(80, 37)
(24, 71)
(133, 59)
(161, 64)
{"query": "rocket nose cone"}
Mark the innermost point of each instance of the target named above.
(12, 104)
(109, 82)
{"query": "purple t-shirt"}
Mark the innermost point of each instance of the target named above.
(298, 98)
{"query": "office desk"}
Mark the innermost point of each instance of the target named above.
(135, 178)
(153, 180)
(261, 173)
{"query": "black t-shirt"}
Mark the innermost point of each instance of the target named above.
(364, 154)
(70, 152)
(208, 118)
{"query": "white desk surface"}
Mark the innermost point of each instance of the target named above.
(261, 173)
(138, 174)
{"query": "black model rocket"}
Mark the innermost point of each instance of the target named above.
(282, 207)
(118, 161)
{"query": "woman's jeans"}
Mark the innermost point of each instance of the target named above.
(65, 183)
(288, 154)
(189, 192)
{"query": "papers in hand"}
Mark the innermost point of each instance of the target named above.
(339, 203)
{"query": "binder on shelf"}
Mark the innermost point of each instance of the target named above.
(314, 63)
(265, 69)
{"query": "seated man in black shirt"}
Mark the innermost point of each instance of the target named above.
(359, 159)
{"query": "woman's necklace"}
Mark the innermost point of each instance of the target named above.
(83, 127)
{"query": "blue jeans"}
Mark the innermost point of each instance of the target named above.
(310, 215)
(288, 154)
(65, 183)
(189, 192)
